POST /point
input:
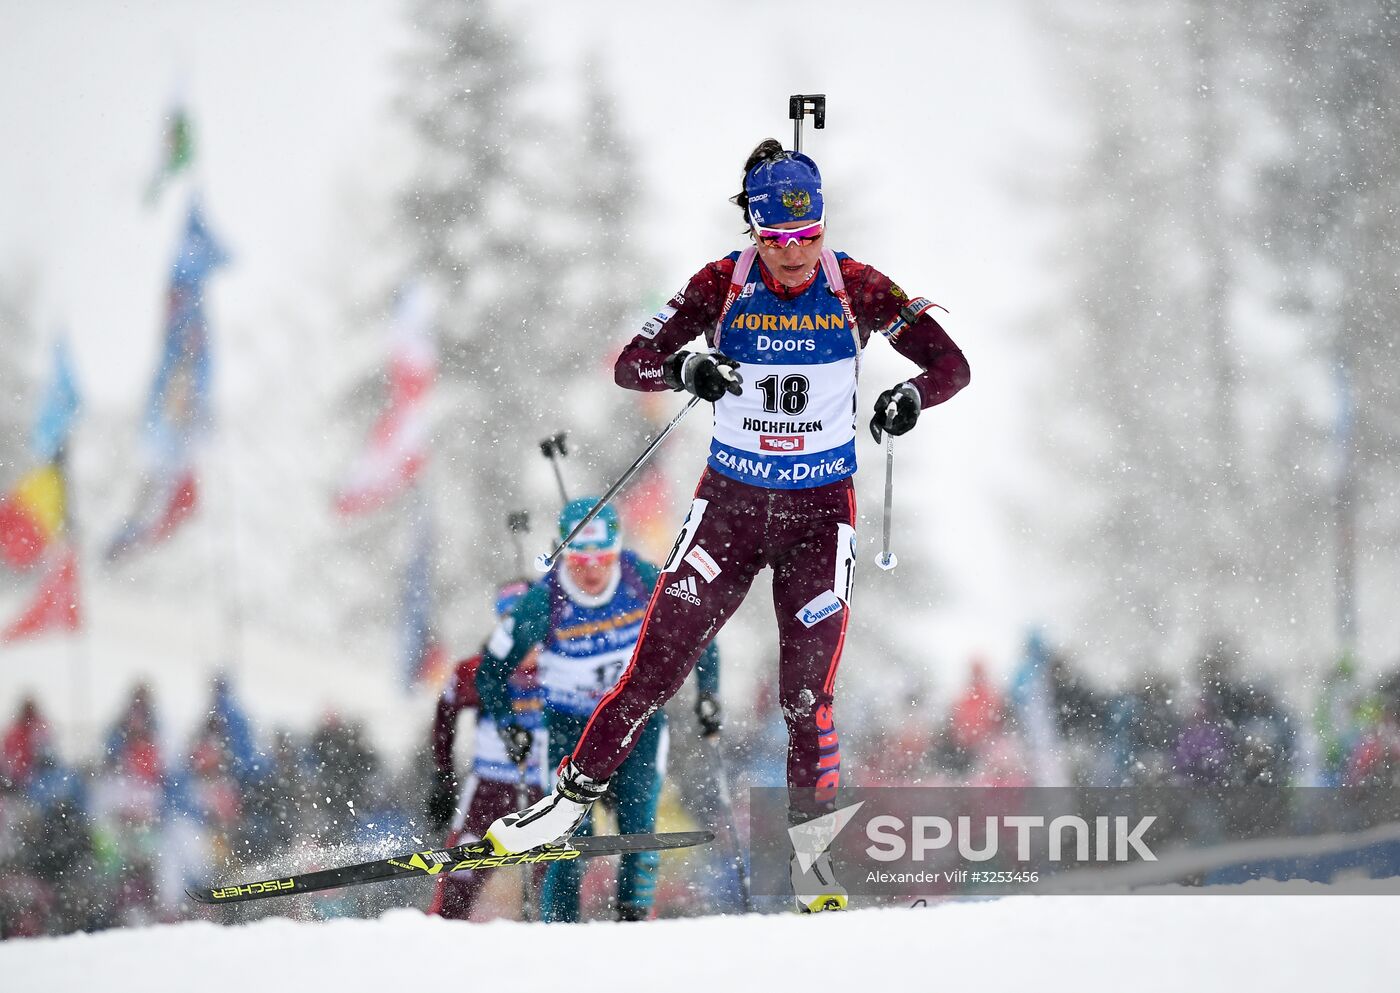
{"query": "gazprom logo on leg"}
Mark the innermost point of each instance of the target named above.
(819, 608)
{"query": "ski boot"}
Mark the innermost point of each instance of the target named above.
(550, 820)
(816, 890)
(814, 884)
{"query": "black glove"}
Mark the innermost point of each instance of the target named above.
(707, 712)
(518, 742)
(906, 400)
(442, 799)
(709, 375)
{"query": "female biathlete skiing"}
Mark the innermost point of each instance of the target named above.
(777, 489)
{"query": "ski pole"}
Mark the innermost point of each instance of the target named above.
(527, 882)
(887, 560)
(546, 562)
(731, 826)
(553, 448)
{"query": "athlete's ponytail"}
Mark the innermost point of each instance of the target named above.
(767, 150)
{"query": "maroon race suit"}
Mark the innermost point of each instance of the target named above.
(484, 797)
(805, 534)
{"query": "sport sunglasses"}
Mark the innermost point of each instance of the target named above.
(604, 556)
(783, 237)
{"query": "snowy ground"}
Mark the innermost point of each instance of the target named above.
(1182, 944)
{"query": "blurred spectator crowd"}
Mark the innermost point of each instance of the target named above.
(1220, 726)
(113, 840)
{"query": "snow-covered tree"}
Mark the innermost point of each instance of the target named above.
(1143, 395)
(516, 212)
(1326, 215)
(1228, 265)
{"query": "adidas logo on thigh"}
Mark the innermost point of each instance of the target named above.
(685, 589)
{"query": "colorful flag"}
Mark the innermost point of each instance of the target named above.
(58, 409)
(177, 153)
(33, 514)
(55, 605)
(424, 658)
(398, 445)
(178, 411)
(31, 517)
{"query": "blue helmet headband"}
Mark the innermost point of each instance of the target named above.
(602, 534)
(783, 190)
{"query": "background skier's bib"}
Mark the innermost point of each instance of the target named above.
(588, 647)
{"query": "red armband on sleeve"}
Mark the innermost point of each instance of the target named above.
(909, 314)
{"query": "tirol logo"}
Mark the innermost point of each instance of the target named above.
(685, 589)
(797, 201)
(780, 442)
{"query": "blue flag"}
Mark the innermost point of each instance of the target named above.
(58, 409)
(178, 411)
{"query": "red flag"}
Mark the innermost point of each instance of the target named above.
(398, 445)
(183, 499)
(162, 507)
(56, 604)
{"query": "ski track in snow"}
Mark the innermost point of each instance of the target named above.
(1167, 943)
